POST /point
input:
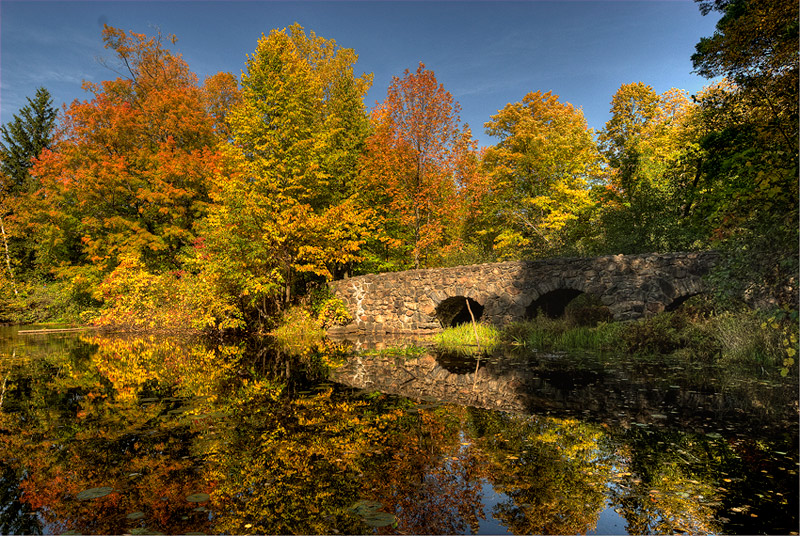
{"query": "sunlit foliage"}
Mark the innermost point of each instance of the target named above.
(285, 203)
(540, 172)
(414, 160)
(130, 173)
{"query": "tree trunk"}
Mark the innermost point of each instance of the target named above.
(8, 258)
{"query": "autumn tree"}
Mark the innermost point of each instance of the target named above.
(131, 174)
(650, 143)
(412, 162)
(221, 92)
(755, 46)
(539, 174)
(287, 206)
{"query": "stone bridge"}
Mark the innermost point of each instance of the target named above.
(419, 301)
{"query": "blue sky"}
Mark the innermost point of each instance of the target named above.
(486, 54)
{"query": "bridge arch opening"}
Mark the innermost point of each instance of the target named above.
(552, 304)
(677, 302)
(454, 312)
(577, 307)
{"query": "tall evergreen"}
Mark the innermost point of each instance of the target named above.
(23, 139)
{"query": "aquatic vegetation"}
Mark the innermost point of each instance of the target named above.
(547, 334)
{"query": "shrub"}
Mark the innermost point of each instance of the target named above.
(298, 330)
(137, 300)
(333, 312)
(668, 332)
(659, 334)
(328, 308)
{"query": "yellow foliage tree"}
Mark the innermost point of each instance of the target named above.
(286, 207)
(540, 173)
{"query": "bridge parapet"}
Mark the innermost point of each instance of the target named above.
(418, 301)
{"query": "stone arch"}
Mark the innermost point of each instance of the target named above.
(677, 302)
(689, 289)
(453, 311)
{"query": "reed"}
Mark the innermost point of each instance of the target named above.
(542, 333)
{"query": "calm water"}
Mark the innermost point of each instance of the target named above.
(151, 435)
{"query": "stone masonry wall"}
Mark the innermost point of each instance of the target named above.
(629, 285)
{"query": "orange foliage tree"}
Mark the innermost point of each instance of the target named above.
(412, 160)
(130, 171)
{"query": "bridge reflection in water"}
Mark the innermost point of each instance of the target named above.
(610, 389)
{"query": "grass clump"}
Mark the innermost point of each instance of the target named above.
(461, 339)
(763, 341)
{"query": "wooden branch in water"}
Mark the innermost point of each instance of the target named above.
(58, 330)
(478, 342)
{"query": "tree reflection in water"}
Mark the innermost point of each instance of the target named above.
(218, 439)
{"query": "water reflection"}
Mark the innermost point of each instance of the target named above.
(625, 392)
(137, 434)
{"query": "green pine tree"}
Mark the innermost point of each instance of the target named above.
(23, 139)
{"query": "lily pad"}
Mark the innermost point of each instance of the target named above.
(380, 519)
(198, 497)
(135, 515)
(364, 507)
(94, 493)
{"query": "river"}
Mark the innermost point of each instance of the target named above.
(153, 434)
